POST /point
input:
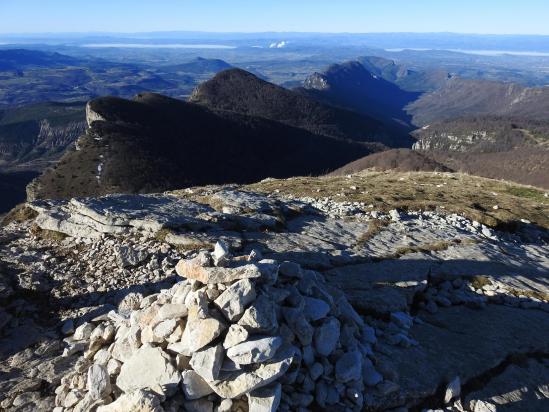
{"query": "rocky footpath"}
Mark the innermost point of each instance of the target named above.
(222, 299)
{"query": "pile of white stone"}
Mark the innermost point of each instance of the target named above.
(236, 334)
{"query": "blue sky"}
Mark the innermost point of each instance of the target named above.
(359, 16)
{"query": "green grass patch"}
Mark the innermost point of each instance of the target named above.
(525, 192)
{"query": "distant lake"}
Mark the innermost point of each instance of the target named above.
(158, 46)
(481, 52)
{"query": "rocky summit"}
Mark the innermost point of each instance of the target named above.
(226, 299)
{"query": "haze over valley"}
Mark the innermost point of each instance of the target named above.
(46, 81)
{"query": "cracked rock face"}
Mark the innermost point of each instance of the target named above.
(296, 309)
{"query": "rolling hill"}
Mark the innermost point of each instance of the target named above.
(400, 160)
(20, 59)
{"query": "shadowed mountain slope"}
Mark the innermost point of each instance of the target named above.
(239, 91)
(351, 86)
(406, 78)
(527, 165)
(155, 143)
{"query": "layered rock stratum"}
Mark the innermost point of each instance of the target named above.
(228, 299)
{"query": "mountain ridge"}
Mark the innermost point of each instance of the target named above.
(239, 91)
(351, 86)
(463, 97)
(156, 143)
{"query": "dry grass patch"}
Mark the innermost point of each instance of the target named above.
(479, 281)
(431, 247)
(375, 226)
(532, 294)
(161, 234)
(46, 234)
(470, 196)
(19, 214)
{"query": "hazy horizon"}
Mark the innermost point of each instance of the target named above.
(490, 17)
(97, 32)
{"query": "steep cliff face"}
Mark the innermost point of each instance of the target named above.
(40, 143)
(33, 136)
(482, 134)
(92, 115)
(462, 142)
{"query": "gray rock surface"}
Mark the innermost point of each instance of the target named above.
(193, 385)
(436, 296)
(522, 386)
(148, 368)
(256, 350)
(478, 341)
(234, 300)
(207, 362)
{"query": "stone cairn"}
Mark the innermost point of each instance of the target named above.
(236, 334)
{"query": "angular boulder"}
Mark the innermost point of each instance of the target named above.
(99, 382)
(191, 269)
(207, 362)
(243, 382)
(194, 386)
(200, 332)
(260, 316)
(233, 301)
(254, 350)
(148, 368)
(137, 401)
(265, 399)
